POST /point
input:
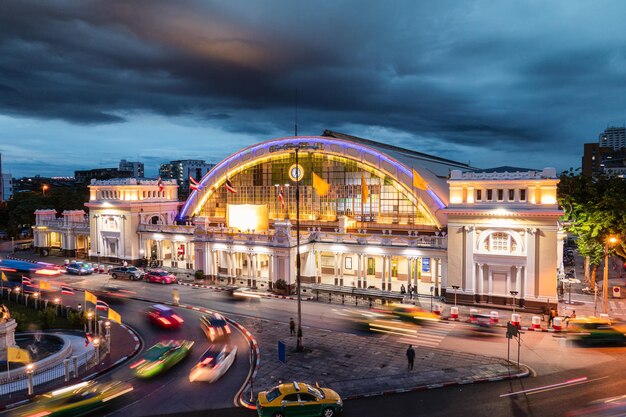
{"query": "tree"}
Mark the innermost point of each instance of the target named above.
(594, 210)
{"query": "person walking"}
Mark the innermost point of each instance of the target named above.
(292, 326)
(410, 356)
(552, 316)
(409, 289)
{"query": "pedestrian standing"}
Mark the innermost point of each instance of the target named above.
(552, 316)
(409, 288)
(410, 355)
(292, 326)
(402, 289)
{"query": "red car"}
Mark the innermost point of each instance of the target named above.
(162, 277)
(164, 316)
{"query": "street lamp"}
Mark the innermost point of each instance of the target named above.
(514, 294)
(96, 347)
(107, 334)
(89, 317)
(17, 293)
(57, 300)
(44, 188)
(30, 370)
(455, 287)
(605, 284)
(36, 297)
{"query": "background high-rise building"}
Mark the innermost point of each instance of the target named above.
(136, 168)
(613, 137)
(7, 187)
(181, 170)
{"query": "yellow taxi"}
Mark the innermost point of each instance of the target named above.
(596, 330)
(411, 313)
(298, 399)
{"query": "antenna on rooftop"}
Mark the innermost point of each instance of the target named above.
(296, 116)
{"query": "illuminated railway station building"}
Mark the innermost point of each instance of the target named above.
(371, 215)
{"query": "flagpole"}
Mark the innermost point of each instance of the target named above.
(299, 345)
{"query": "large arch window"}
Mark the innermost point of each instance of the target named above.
(500, 242)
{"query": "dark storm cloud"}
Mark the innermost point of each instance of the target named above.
(505, 76)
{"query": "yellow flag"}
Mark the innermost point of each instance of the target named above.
(113, 316)
(90, 298)
(365, 192)
(15, 354)
(44, 285)
(4, 277)
(418, 181)
(320, 186)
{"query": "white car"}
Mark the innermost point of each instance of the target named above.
(213, 363)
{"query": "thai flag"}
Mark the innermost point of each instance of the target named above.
(26, 281)
(101, 305)
(160, 184)
(281, 198)
(67, 290)
(229, 186)
(193, 184)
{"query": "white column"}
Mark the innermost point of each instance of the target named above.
(358, 269)
(481, 278)
(490, 282)
(435, 272)
(389, 276)
(518, 280)
(335, 270)
(418, 265)
(270, 269)
(444, 272)
(384, 272)
(408, 271)
(364, 270)
(529, 281)
(342, 268)
(509, 283)
(318, 267)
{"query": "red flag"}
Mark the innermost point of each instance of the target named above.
(229, 186)
(281, 197)
(160, 184)
(193, 184)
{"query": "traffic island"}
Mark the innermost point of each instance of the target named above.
(360, 366)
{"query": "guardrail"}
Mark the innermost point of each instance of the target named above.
(352, 295)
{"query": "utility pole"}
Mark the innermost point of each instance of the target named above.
(299, 344)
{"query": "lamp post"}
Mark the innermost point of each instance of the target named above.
(299, 342)
(455, 287)
(107, 334)
(44, 188)
(89, 317)
(57, 300)
(36, 297)
(96, 347)
(30, 370)
(513, 294)
(605, 284)
(17, 293)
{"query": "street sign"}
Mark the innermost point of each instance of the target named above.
(511, 330)
(282, 352)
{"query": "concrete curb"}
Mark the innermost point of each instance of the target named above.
(424, 387)
(503, 325)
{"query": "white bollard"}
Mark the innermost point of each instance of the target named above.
(557, 324)
(437, 309)
(454, 313)
(101, 268)
(516, 320)
(66, 262)
(536, 322)
(473, 313)
(495, 317)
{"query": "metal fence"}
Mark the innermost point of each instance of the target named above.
(76, 365)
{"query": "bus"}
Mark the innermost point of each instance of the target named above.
(14, 270)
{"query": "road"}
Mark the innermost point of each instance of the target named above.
(555, 359)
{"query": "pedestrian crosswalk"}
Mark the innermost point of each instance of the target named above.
(428, 336)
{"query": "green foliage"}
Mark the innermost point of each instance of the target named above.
(20, 210)
(77, 319)
(47, 318)
(594, 210)
(20, 318)
(199, 274)
(280, 284)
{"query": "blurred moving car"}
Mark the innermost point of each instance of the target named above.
(164, 317)
(79, 268)
(81, 399)
(160, 276)
(298, 399)
(215, 326)
(214, 363)
(131, 272)
(242, 294)
(411, 313)
(606, 407)
(600, 330)
(161, 357)
(482, 323)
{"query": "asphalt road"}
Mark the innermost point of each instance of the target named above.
(556, 360)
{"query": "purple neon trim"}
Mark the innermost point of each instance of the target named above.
(299, 139)
(436, 198)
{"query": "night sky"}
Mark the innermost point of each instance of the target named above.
(84, 84)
